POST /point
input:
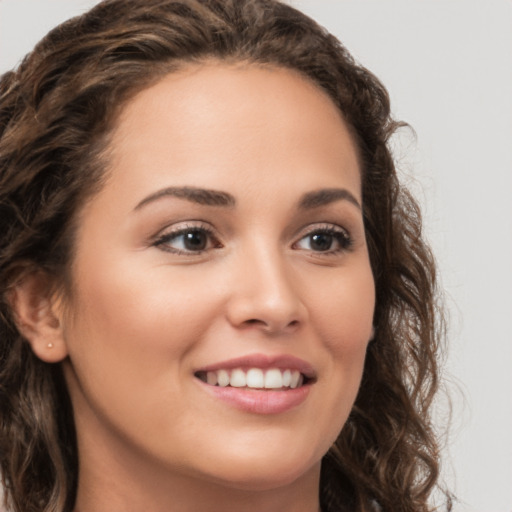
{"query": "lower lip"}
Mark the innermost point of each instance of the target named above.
(259, 401)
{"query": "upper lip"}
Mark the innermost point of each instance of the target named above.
(263, 361)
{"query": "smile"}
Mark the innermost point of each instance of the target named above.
(259, 383)
(254, 378)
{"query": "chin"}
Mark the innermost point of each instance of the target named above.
(257, 473)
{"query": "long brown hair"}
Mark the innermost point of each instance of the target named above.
(56, 112)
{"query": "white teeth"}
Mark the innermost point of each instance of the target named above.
(238, 379)
(295, 379)
(223, 378)
(256, 378)
(273, 379)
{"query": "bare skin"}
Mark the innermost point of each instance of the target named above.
(230, 227)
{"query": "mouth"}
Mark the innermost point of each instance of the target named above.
(255, 378)
(259, 382)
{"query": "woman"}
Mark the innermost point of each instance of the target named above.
(215, 295)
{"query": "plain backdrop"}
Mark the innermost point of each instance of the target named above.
(448, 67)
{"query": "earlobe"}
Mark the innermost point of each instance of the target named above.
(32, 301)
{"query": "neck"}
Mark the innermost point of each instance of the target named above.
(117, 475)
(112, 479)
(169, 493)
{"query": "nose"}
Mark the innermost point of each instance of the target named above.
(265, 295)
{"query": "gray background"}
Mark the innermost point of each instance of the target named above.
(448, 67)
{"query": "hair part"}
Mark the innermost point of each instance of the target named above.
(57, 111)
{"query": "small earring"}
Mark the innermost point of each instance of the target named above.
(50, 345)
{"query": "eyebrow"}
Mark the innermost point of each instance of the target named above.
(192, 194)
(310, 200)
(326, 196)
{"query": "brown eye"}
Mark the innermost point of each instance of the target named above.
(195, 240)
(328, 240)
(187, 240)
(321, 242)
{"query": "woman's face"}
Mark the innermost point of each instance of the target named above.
(225, 253)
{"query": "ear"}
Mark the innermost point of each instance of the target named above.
(37, 317)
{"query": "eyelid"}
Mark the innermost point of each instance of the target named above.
(331, 229)
(160, 240)
(323, 226)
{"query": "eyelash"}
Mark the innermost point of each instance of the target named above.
(339, 235)
(164, 240)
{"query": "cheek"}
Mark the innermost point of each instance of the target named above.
(135, 302)
(344, 317)
(344, 321)
(130, 331)
(129, 334)
(344, 312)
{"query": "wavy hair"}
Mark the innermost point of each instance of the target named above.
(56, 112)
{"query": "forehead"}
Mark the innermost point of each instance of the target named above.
(215, 120)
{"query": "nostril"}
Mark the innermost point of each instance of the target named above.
(270, 326)
(255, 322)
